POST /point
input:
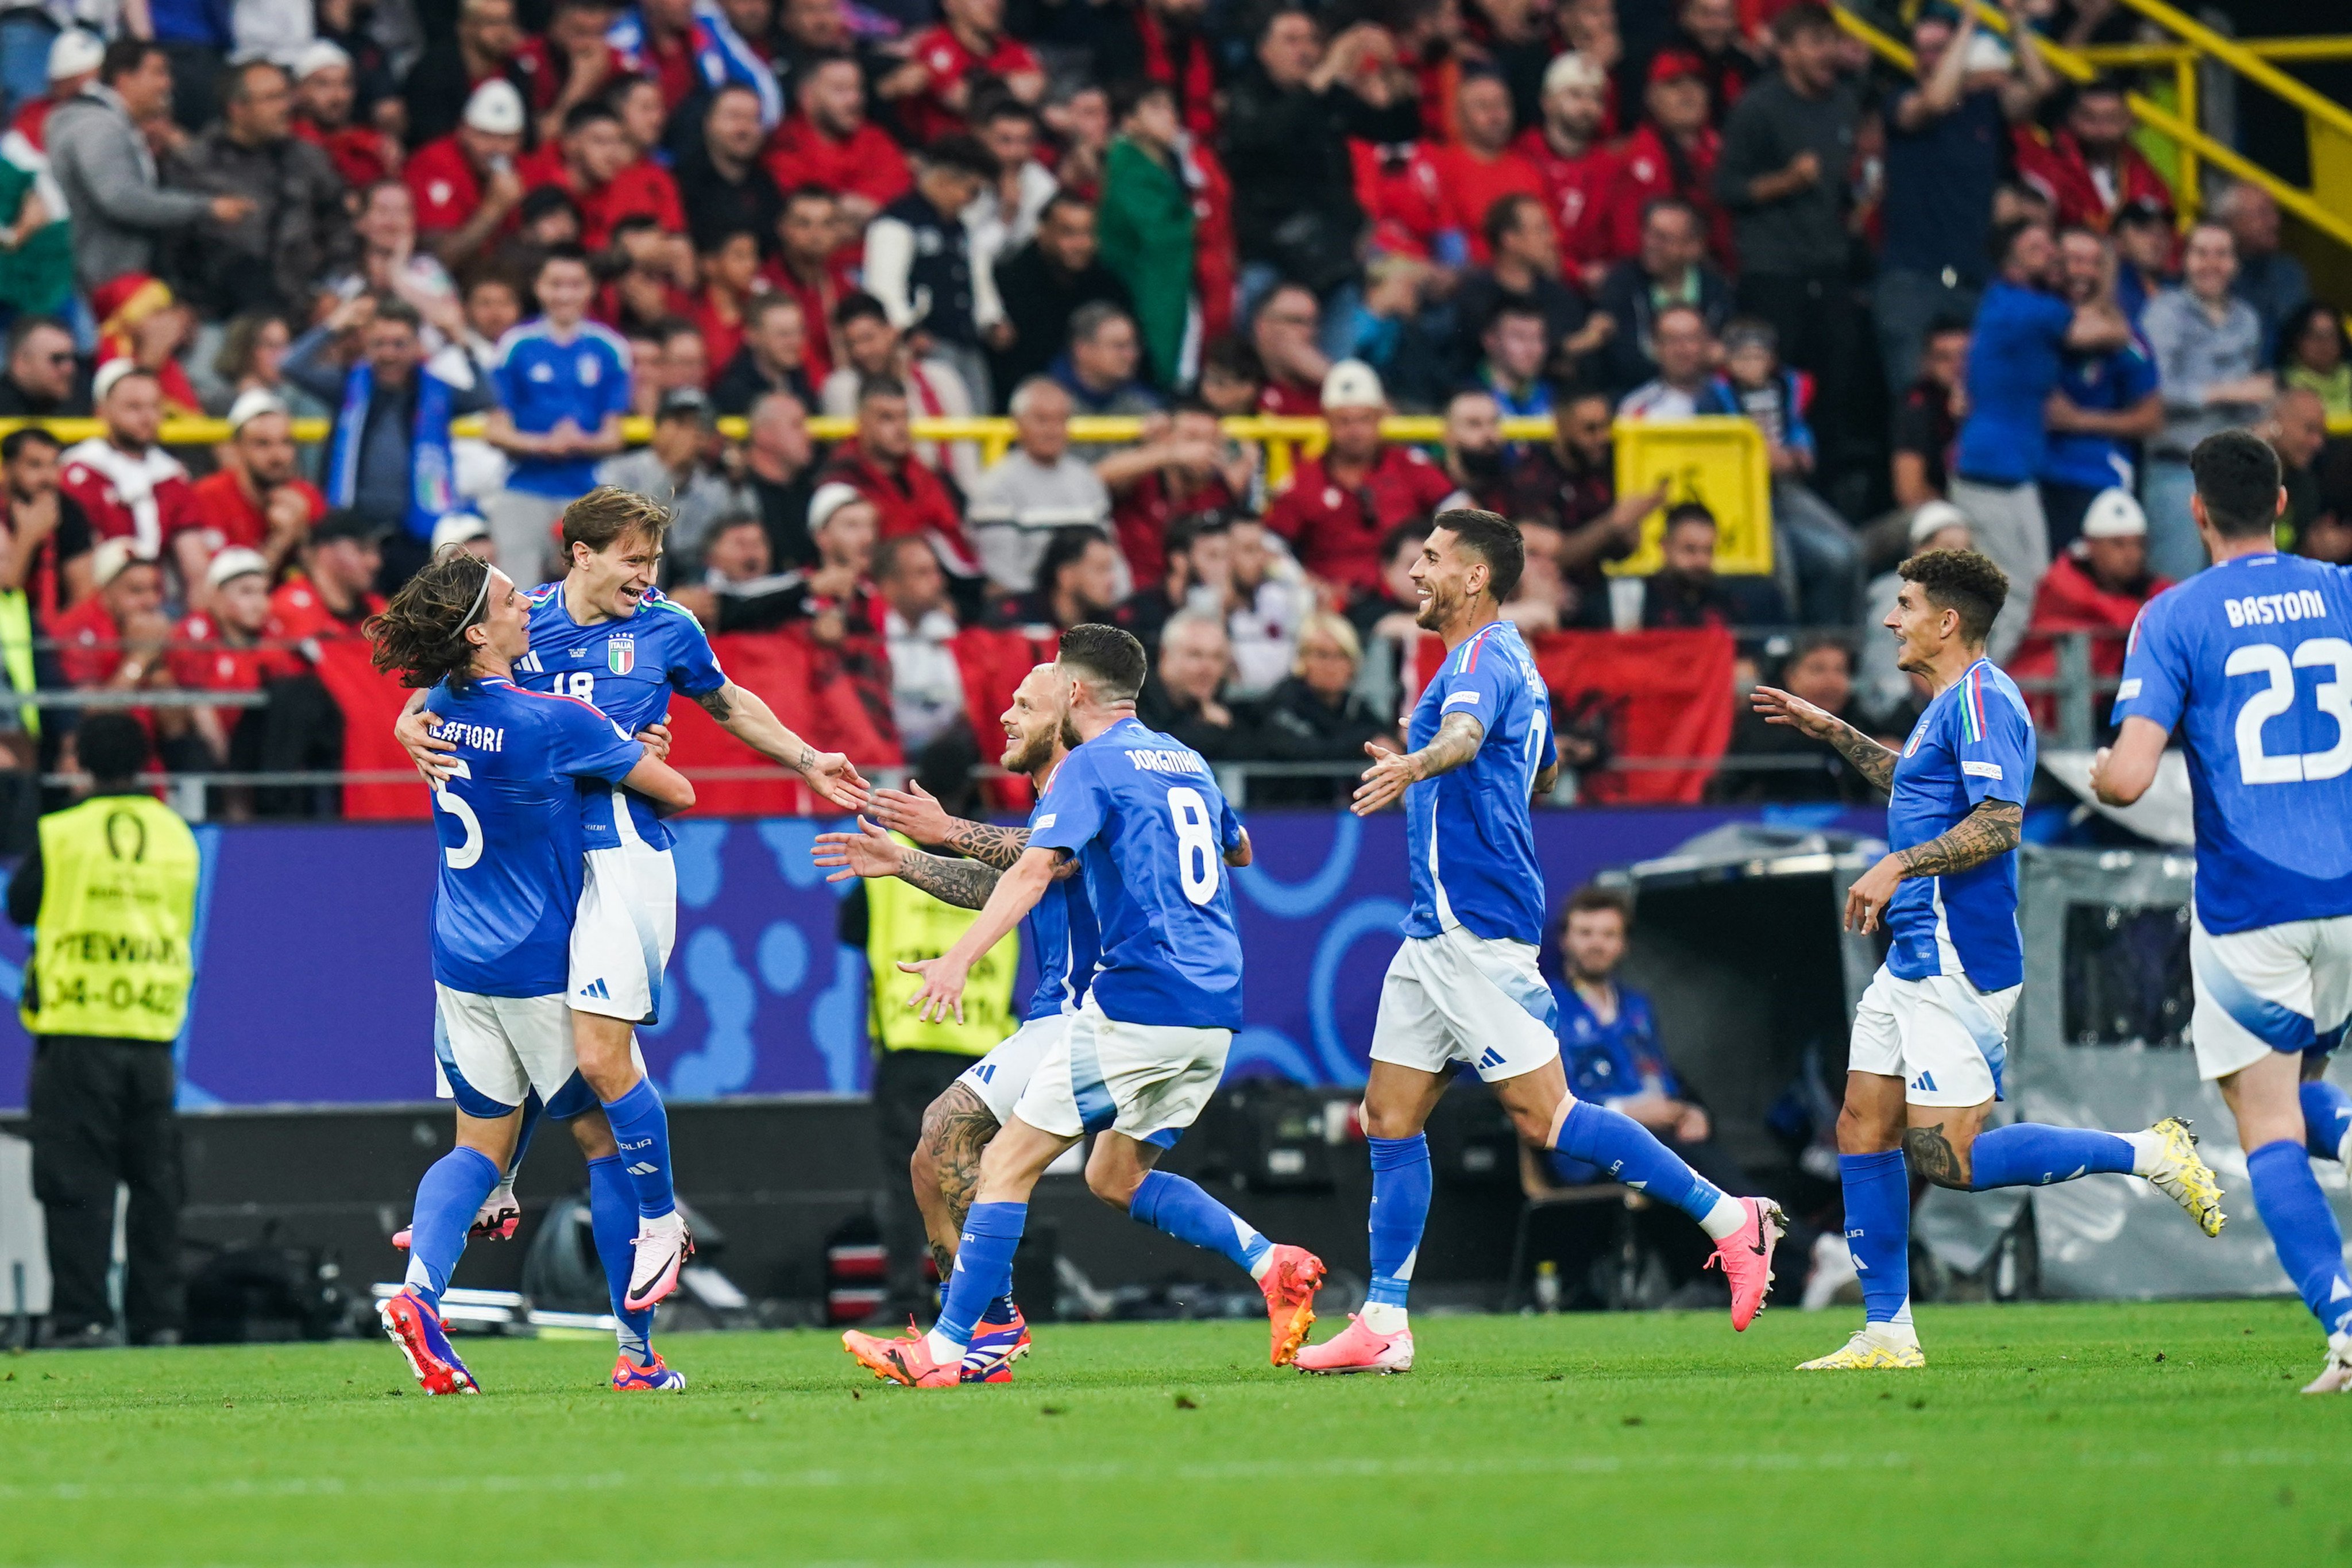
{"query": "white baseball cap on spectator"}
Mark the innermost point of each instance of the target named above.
(830, 498)
(1352, 384)
(75, 53)
(1573, 69)
(110, 375)
(2113, 514)
(1987, 53)
(496, 109)
(458, 528)
(321, 55)
(109, 557)
(235, 562)
(251, 404)
(1934, 517)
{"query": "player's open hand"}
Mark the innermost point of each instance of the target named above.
(868, 852)
(1866, 901)
(835, 777)
(1384, 781)
(434, 757)
(1779, 707)
(915, 812)
(657, 738)
(941, 996)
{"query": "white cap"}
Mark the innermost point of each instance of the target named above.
(496, 109)
(830, 498)
(252, 404)
(1573, 69)
(235, 562)
(1352, 384)
(458, 528)
(1932, 518)
(2114, 515)
(107, 559)
(324, 55)
(1986, 53)
(74, 53)
(110, 373)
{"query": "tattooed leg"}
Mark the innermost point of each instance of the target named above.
(945, 1167)
(1939, 1140)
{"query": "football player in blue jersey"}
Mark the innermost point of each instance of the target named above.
(959, 1124)
(1142, 816)
(507, 814)
(2252, 661)
(1930, 1035)
(1464, 986)
(604, 633)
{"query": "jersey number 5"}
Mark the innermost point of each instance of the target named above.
(1195, 837)
(2256, 766)
(460, 855)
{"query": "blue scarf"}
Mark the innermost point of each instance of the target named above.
(432, 468)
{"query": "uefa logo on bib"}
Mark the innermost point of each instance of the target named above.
(621, 654)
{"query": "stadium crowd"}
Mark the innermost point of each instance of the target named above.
(476, 238)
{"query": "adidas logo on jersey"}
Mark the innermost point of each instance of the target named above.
(1490, 1057)
(596, 988)
(1925, 1082)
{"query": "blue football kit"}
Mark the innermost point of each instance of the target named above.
(541, 380)
(1974, 743)
(1468, 836)
(1064, 936)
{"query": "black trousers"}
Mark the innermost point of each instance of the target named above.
(1821, 325)
(98, 1111)
(905, 1084)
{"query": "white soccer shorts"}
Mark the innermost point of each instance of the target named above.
(1946, 1040)
(1461, 997)
(625, 926)
(2274, 988)
(1148, 1081)
(1000, 1077)
(490, 1052)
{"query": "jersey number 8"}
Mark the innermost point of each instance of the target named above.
(1194, 837)
(2256, 766)
(460, 855)
(582, 685)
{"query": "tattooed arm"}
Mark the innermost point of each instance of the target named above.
(966, 884)
(747, 716)
(1870, 760)
(916, 813)
(1456, 742)
(1991, 830)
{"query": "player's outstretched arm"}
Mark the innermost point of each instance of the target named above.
(2121, 773)
(1873, 760)
(1017, 892)
(1990, 831)
(916, 813)
(747, 716)
(872, 852)
(1392, 773)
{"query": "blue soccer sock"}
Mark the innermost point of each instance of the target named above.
(447, 1199)
(641, 1127)
(1400, 1210)
(1631, 1153)
(2303, 1229)
(1878, 1233)
(983, 1271)
(612, 1215)
(1179, 1208)
(2031, 1154)
(2327, 1118)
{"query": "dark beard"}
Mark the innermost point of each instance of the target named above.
(1481, 467)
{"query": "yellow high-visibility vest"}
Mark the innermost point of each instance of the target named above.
(118, 903)
(905, 923)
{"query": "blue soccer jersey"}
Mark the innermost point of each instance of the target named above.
(1615, 1061)
(1467, 833)
(510, 824)
(541, 382)
(1063, 934)
(628, 669)
(1151, 828)
(2252, 660)
(1974, 743)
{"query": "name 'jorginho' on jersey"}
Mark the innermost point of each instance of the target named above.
(1151, 828)
(628, 669)
(1974, 743)
(510, 824)
(1468, 832)
(2252, 661)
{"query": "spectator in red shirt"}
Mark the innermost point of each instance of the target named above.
(465, 187)
(335, 593)
(258, 502)
(1671, 153)
(1577, 169)
(1460, 180)
(656, 42)
(730, 280)
(48, 553)
(115, 639)
(481, 50)
(810, 266)
(831, 145)
(1168, 47)
(568, 63)
(596, 165)
(2098, 586)
(241, 650)
(2089, 168)
(933, 88)
(879, 463)
(1286, 335)
(74, 57)
(324, 96)
(128, 487)
(773, 358)
(1339, 505)
(1187, 470)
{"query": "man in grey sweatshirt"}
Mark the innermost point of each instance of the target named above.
(103, 163)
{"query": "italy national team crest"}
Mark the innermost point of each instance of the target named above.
(621, 653)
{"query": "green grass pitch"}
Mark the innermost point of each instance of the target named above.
(2040, 1437)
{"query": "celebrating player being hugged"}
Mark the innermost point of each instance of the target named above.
(959, 1125)
(512, 833)
(2252, 661)
(1929, 1037)
(606, 635)
(1143, 817)
(1464, 986)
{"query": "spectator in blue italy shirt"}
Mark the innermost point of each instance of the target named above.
(2106, 404)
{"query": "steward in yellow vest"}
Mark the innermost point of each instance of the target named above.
(904, 923)
(111, 891)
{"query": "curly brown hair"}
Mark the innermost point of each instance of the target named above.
(421, 636)
(1960, 580)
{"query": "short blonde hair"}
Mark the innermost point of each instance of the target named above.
(1339, 628)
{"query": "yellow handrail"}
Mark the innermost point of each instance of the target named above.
(2245, 62)
(2261, 48)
